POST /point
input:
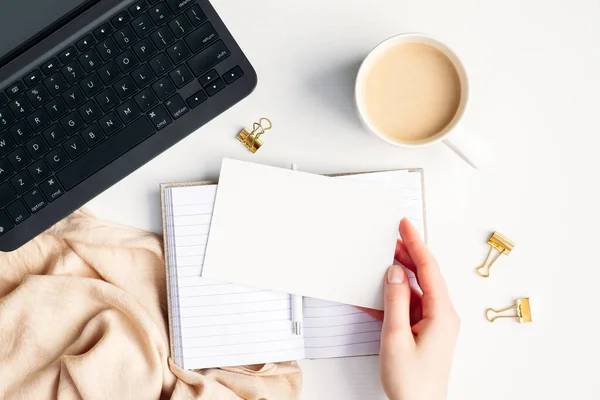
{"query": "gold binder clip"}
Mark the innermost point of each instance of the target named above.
(252, 139)
(523, 311)
(502, 245)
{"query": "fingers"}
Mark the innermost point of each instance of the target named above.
(428, 272)
(402, 256)
(396, 319)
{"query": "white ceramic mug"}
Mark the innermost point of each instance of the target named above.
(463, 145)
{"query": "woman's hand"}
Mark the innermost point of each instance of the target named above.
(419, 330)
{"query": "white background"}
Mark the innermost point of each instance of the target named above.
(534, 68)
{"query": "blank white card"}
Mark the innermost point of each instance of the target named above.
(305, 234)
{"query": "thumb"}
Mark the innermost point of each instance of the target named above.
(396, 320)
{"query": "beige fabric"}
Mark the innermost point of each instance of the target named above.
(83, 316)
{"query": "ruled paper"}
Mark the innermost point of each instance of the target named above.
(218, 324)
(339, 330)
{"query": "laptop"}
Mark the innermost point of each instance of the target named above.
(90, 90)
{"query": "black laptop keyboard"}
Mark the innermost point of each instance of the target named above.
(95, 91)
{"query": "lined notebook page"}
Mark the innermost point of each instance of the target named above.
(215, 323)
(339, 330)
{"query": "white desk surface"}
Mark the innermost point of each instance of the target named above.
(534, 68)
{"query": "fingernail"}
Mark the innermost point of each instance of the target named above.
(395, 275)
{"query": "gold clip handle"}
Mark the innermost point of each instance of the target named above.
(259, 128)
(488, 263)
(498, 312)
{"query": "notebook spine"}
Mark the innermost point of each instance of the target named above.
(174, 312)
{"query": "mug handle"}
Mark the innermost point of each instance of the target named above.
(471, 150)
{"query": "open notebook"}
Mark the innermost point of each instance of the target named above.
(216, 324)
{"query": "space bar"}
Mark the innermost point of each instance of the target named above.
(107, 152)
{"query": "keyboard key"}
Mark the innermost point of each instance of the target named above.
(51, 189)
(21, 182)
(177, 5)
(89, 111)
(208, 58)
(17, 212)
(142, 25)
(20, 132)
(125, 87)
(55, 84)
(159, 13)
(85, 42)
(73, 97)
(163, 88)
(160, 64)
(3, 98)
(74, 147)
(196, 15)
(67, 54)
(92, 135)
(33, 77)
(128, 111)
(108, 73)
(107, 48)
(91, 85)
(57, 159)
(144, 49)
(145, 99)
(34, 200)
(54, 135)
(6, 194)
(6, 118)
(159, 117)
(37, 95)
(126, 61)
(39, 170)
(181, 76)
(178, 52)
(18, 158)
(20, 107)
(108, 151)
(90, 60)
(176, 106)
(49, 66)
(16, 89)
(180, 26)
(72, 72)
(142, 76)
(5, 169)
(110, 123)
(201, 37)
(36, 147)
(124, 37)
(103, 31)
(120, 19)
(71, 123)
(138, 8)
(162, 37)
(208, 78)
(6, 144)
(5, 224)
(38, 120)
(196, 99)
(56, 108)
(215, 87)
(107, 99)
